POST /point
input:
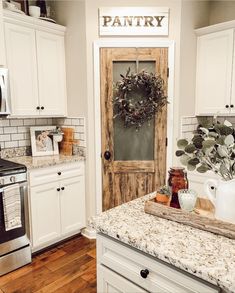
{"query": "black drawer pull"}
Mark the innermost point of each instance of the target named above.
(59, 173)
(42, 108)
(231, 106)
(38, 108)
(227, 106)
(58, 189)
(62, 188)
(144, 273)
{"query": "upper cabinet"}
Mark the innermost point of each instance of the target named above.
(36, 60)
(215, 82)
(2, 48)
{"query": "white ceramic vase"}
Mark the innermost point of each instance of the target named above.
(222, 195)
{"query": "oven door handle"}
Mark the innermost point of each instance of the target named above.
(22, 184)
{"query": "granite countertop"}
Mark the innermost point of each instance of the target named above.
(45, 161)
(203, 254)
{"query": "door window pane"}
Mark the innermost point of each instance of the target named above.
(130, 144)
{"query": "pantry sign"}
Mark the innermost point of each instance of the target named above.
(133, 21)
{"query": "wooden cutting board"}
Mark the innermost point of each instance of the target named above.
(201, 218)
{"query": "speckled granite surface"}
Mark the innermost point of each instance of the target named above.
(45, 161)
(203, 254)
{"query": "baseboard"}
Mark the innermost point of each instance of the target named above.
(89, 233)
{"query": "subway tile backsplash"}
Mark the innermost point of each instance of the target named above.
(15, 133)
(189, 124)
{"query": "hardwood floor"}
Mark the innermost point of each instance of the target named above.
(68, 268)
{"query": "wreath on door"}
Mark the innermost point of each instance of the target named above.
(150, 91)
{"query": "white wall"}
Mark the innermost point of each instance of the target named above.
(221, 11)
(184, 17)
(72, 15)
(195, 14)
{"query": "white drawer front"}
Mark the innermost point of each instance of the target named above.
(161, 278)
(54, 173)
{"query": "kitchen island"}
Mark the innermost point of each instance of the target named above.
(194, 252)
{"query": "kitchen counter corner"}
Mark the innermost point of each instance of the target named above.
(203, 254)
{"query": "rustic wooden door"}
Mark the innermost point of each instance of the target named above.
(137, 163)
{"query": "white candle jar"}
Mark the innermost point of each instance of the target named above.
(187, 199)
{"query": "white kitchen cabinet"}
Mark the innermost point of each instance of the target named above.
(36, 60)
(2, 45)
(130, 266)
(57, 203)
(45, 211)
(111, 282)
(51, 73)
(215, 87)
(72, 201)
(22, 64)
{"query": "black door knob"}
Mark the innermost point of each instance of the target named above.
(38, 108)
(144, 273)
(232, 106)
(42, 108)
(227, 106)
(58, 189)
(107, 155)
(59, 173)
(62, 188)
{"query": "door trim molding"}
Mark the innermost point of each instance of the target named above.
(124, 43)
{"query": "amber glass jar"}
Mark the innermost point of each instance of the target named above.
(177, 180)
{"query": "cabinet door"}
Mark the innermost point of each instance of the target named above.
(110, 282)
(51, 73)
(2, 45)
(72, 197)
(214, 73)
(45, 213)
(22, 64)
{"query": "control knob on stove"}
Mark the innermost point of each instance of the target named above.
(13, 179)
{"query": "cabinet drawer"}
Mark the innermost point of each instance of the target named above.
(161, 278)
(54, 173)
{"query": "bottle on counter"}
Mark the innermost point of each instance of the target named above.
(177, 180)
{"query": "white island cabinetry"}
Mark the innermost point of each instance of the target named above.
(121, 268)
(57, 203)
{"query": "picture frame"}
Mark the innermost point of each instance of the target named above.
(22, 5)
(43, 142)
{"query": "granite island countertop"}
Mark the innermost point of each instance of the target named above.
(45, 161)
(203, 254)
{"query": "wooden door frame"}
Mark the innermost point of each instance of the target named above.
(124, 43)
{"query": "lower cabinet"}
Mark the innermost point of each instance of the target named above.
(111, 282)
(57, 208)
(121, 268)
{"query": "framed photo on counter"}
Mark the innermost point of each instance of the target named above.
(43, 142)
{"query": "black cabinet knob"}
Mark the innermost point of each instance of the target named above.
(42, 108)
(232, 106)
(59, 173)
(144, 273)
(62, 188)
(58, 189)
(227, 106)
(38, 108)
(107, 155)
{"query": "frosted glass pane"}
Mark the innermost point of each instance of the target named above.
(130, 144)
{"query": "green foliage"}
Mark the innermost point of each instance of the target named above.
(211, 148)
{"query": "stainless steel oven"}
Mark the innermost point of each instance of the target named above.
(15, 248)
(4, 92)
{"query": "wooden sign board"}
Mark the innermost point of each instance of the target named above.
(133, 21)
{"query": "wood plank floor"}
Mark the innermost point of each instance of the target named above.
(68, 268)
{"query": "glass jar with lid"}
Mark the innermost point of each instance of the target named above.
(177, 180)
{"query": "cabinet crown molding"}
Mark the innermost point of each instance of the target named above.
(32, 22)
(215, 28)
